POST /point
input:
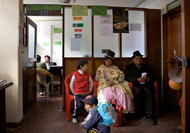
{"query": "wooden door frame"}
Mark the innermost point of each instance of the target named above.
(165, 36)
(185, 19)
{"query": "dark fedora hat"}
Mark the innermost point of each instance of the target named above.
(110, 55)
(136, 53)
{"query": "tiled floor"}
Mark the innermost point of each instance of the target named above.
(46, 116)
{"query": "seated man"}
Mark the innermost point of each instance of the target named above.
(140, 76)
(40, 64)
(48, 63)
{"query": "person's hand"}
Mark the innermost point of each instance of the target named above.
(110, 83)
(147, 79)
(141, 80)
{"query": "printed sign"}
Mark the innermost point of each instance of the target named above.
(78, 25)
(78, 30)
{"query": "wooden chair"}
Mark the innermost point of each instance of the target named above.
(41, 75)
(69, 96)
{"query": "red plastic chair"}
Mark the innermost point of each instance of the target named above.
(155, 94)
(69, 96)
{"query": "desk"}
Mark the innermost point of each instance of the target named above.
(57, 73)
(3, 107)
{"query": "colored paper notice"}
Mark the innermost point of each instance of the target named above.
(75, 44)
(78, 25)
(78, 36)
(79, 10)
(77, 18)
(57, 43)
(46, 44)
(106, 30)
(135, 27)
(57, 30)
(106, 19)
(99, 10)
(78, 30)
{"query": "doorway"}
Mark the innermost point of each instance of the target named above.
(172, 42)
(49, 42)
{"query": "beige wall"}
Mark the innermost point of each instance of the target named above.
(9, 58)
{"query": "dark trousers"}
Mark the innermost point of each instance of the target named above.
(78, 105)
(42, 88)
(144, 98)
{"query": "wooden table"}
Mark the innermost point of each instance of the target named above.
(3, 107)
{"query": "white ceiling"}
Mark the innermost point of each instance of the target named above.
(125, 3)
(154, 4)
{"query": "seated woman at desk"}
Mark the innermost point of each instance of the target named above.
(113, 85)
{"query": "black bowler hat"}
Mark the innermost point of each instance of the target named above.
(110, 55)
(136, 53)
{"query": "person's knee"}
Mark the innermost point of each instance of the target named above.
(148, 92)
(137, 91)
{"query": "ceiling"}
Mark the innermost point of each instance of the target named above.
(127, 3)
(154, 4)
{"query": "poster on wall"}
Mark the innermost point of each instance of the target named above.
(106, 19)
(99, 10)
(77, 18)
(79, 10)
(78, 24)
(75, 44)
(120, 20)
(135, 27)
(78, 36)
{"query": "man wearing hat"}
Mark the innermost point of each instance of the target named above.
(140, 76)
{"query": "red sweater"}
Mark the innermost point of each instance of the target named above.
(81, 84)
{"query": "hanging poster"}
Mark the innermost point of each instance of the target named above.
(135, 27)
(75, 44)
(57, 30)
(77, 18)
(78, 24)
(106, 19)
(78, 30)
(46, 44)
(79, 10)
(120, 20)
(57, 43)
(99, 10)
(78, 36)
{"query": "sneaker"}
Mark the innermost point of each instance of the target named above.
(151, 120)
(75, 120)
(42, 93)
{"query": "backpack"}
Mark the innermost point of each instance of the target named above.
(107, 113)
(118, 109)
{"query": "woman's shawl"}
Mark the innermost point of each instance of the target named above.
(113, 74)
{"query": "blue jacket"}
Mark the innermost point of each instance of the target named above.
(93, 120)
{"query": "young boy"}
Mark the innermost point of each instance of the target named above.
(81, 85)
(93, 120)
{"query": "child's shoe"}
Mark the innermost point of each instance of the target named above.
(75, 120)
